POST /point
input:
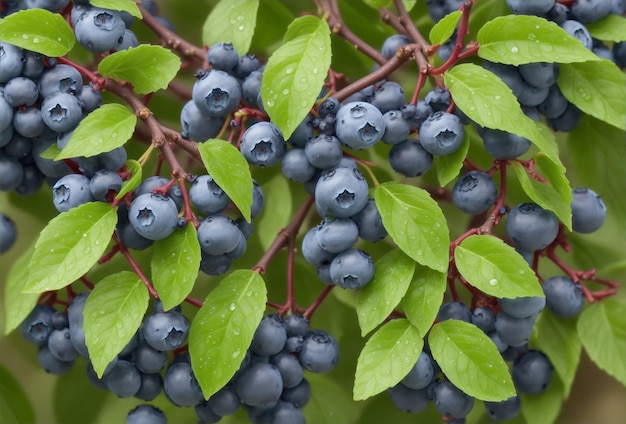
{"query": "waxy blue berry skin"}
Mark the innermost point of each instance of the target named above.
(165, 331)
(442, 133)
(70, 191)
(216, 93)
(341, 193)
(531, 227)
(153, 216)
(588, 210)
(359, 125)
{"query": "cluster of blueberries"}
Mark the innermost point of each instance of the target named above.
(270, 383)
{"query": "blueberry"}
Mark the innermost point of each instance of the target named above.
(532, 372)
(577, 30)
(70, 191)
(223, 56)
(296, 167)
(269, 337)
(531, 227)
(554, 105)
(323, 151)
(38, 325)
(146, 414)
(454, 310)
(299, 395)
(127, 234)
(99, 30)
(341, 192)
(246, 64)
(218, 235)
(588, 11)
(568, 120)
(29, 122)
(11, 61)
(60, 78)
(263, 144)
(388, 96)
(197, 125)
(290, 368)
(206, 196)
(537, 7)
(370, 223)
(153, 216)
(225, 401)
(51, 364)
(359, 125)
(540, 74)
(152, 183)
(216, 93)
(104, 183)
(397, 127)
(421, 374)
(12, 173)
(320, 352)
(514, 331)
(21, 91)
(392, 43)
(352, 269)
(149, 360)
(564, 297)
(60, 345)
(180, 385)
(251, 87)
(442, 133)
(151, 386)
(312, 251)
(296, 325)
(523, 307)
(165, 331)
(215, 264)
(474, 192)
(206, 414)
(504, 410)
(407, 399)
(438, 99)
(124, 380)
(337, 235)
(450, 401)
(484, 318)
(259, 385)
(588, 210)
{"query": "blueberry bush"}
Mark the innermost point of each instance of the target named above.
(320, 211)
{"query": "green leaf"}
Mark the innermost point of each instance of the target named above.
(276, 210)
(381, 295)
(449, 166)
(377, 4)
(495, 268)
(330, 403)
(231, 21)
(424, 298)
(611, 28)
(38, 30)
(580, 84)
(518, 39)
(295, 73)
(175, 264)
(231, 172)
(121, 5)
(544, 408)
(415, 223)
(51, 152)
(443, 30)
(14, 404)
(555, 194)
(104, 129)
(602, 331)
(387, 358)
(409, 4)
(70, 245)
(606, 152)
(223, 328)
(148, 68)
(470, 360)
(113, 313)
(18, 305)
(133, 182)
(557, 338)
(485, 99)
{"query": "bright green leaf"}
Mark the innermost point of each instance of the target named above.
(148, 68)
(611, 28)
(295, 73)
(449, 166)
(605, 152)
(14, 404)
(104, 129)
(231, 21)
(121, 5)
(443, 30)
(38, 30)
(555, 194)
(70, 245)
(557, 338)
(276, 210)
(415, 223)
(495, 268)
(134, 168)
(387, 358)
(602, 331)
(223, 328)
(409, 4)
(518, 39)
(485, 99)
(18, 305)
(113, 313)
(377, 299)
(424, 298)
(51, 152)
(230, 171)
(580, 84)
(544, 408)
(470, 360)
(175, 265)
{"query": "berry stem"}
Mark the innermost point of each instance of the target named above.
(421, 45)
(135, 266)
(317, 302)
(462, 31)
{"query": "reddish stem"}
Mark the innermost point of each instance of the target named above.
(463, 30)
(135, 266)
(317, 302)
